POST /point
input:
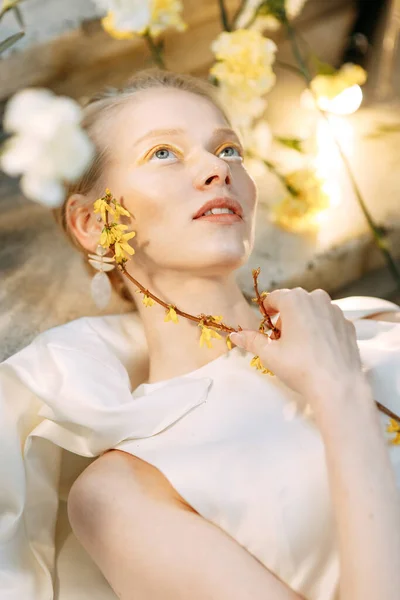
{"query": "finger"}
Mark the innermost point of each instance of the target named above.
(252, 341)
(273, 301)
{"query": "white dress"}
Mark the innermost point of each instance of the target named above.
(239, 446)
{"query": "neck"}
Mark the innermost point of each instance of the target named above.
(174, 348)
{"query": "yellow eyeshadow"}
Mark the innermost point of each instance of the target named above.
(231, 145)
(161, 147)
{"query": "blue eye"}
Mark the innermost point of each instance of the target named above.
(230, 152)
(163, 154)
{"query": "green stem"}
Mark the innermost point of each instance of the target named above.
(238, 13)
(155, 50)
(224, 15)
(289, 67)
(380, 239)
(272, 167)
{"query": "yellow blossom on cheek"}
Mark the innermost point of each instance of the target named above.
(120, 210)
(101, 206)
(171, 315)
(121, 246)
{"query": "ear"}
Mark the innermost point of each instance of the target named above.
(83, 222)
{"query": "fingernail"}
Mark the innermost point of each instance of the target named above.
(237, 338)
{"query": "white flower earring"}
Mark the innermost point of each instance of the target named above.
(100, 286)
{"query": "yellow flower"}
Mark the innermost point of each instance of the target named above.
(101, 206)
(394, 427)
(256, 362)
(171, 315)
(228, 343)
(121, 246)
(130, 18)
(244, 62)
(299, 212)
(207, 334)
(147, 301)
(331, 85)
(164, 14)
(120, 210)
(112, 233)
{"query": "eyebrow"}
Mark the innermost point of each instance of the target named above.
(177, 131)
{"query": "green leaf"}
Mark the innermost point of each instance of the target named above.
(8, 42)
(275, 8)
(292, 143)
(321, 67)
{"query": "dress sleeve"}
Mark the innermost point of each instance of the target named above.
(63, 392)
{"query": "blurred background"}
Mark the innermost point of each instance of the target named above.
(352, 148)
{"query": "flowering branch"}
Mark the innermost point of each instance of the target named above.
(377, 231)
(113, 238)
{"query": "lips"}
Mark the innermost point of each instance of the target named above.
(220, 203)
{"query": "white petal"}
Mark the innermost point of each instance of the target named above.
(262, 140)
(71, 152)
(61, 112)
(23, 107)
(18, 155)
(48, 192)
(134, 15)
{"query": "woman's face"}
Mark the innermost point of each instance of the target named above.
(175, 152)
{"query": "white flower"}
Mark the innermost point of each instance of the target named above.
(47, 147)
(258, 140)
(127, 15)
(267, 21)
(127, 18)
(240, 112)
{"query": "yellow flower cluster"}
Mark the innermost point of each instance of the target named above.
(147, 301)
(331, 85)
(207, 334)
(297, 212)
(256, 362)
(102, 206)
(159, 16)
(114, 234)
(164, 14)
(244, 62)
(171, 315)
(394, 427)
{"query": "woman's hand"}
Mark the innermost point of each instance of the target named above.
(317, 345)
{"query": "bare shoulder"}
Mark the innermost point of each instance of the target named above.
(113, 475)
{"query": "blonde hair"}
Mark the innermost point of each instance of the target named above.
(95, 110)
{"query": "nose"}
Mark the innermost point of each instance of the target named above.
(215, 173)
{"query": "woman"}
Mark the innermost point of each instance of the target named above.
(213, 483)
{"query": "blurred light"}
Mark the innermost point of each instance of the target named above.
(345, 103)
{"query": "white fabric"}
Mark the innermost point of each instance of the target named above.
(233, 442)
